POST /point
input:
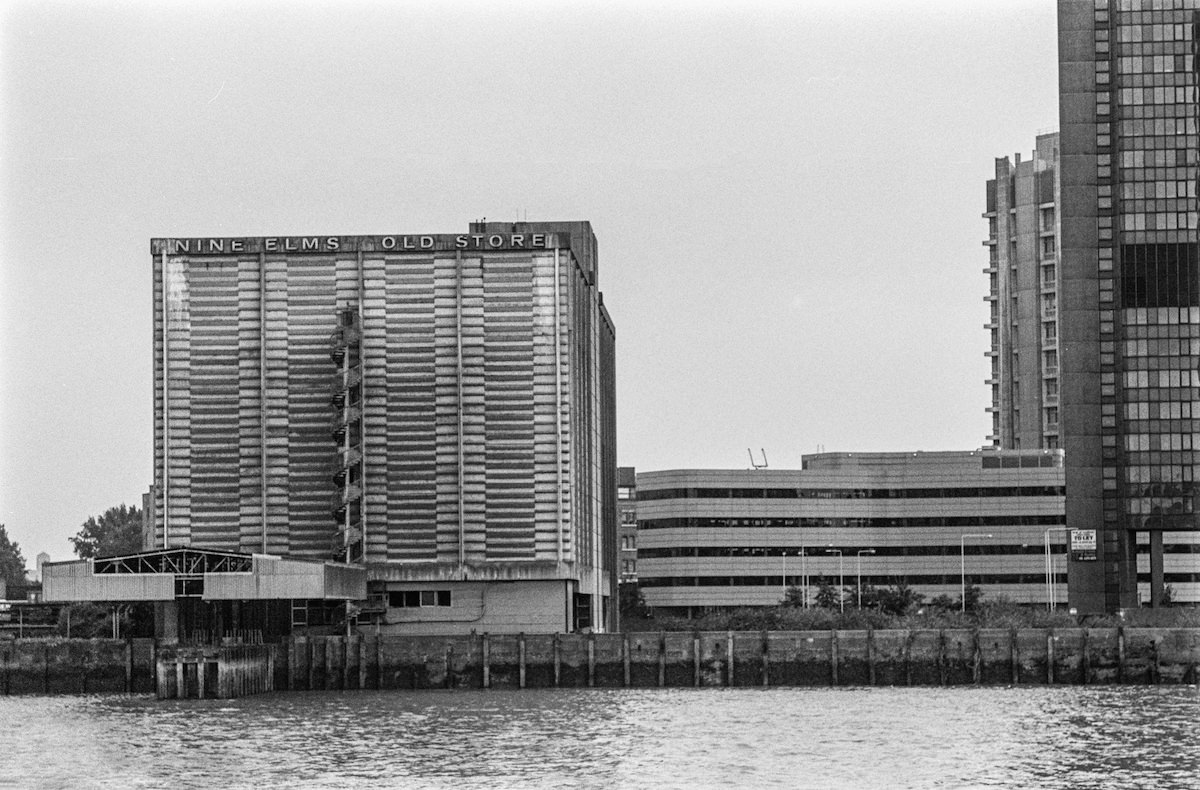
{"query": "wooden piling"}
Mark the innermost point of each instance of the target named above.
(662, 659)
(521, 659)
(557, 645)
(1050, 656)
(871, 656)
(1121, 654)
(1085, 660)
(625, 658)
(591, 643)
(729, 658)
(833, 658)
(766, 659)
(487, 670)
(696, 659)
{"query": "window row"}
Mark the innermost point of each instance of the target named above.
(706, 522)
(1140, 379)
(1139, 190)
(1175, 480)
(877, 580)
(1157, 64)
(1177, 94)
(1171, 221)
(647, 495)
(1161, 441)
(1134, 162)
(1159, 411)
(412, 599)
(949, 550)
(1170, 347)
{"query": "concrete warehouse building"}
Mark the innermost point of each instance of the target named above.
(1129, 295)
(435, 409)
(716, 538)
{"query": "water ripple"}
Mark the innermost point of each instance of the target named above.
(1116, 737)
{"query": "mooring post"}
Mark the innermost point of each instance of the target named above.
(521, 659)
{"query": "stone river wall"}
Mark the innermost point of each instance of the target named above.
(950, 657)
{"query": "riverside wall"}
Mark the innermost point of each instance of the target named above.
(917, 657)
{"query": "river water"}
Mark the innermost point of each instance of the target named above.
(1117, 737)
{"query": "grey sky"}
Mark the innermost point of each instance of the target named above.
(787, 199)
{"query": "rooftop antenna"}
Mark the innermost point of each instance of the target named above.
(753, 463)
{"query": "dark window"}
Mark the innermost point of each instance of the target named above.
(1159, 275)
(412, 599)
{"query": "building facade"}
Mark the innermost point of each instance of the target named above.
(1129, 316)
(627, 505)
(711, 539)
(1022, 298)
(436, 408)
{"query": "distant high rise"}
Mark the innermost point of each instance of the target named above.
(1129, 299)
(437, 408)
(1022, 268)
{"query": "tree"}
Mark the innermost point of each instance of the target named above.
(118, 531)
(828, 596)
(899, 600)
(793, 597)
(633, 604)
(12, 563)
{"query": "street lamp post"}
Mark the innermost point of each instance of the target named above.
(1050, 567)
(962, 553)
(860, 553)
(841, 579)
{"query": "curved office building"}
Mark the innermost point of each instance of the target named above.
(716, 538)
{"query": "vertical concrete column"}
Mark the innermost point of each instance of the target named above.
(696, 659)
(128, 666)
(201, 667)
(521, 659)
(290, 646)
(166, 622)
(180, 688)
(1157, 583)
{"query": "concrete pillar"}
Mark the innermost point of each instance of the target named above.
(1157, 584)
(166, 622)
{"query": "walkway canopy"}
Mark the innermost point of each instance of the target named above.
(170, 574)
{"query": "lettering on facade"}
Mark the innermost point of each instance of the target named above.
(469, 242)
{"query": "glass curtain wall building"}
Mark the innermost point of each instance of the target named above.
(1129, 302)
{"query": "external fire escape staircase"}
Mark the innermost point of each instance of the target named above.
(346, 428)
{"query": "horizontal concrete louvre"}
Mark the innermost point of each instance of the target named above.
(508, 374)
(178, 407)
(311, 320)
(376, 350)
(215, 483)
(411, 410)
(278, 538)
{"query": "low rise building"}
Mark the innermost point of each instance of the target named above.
(710, 539)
